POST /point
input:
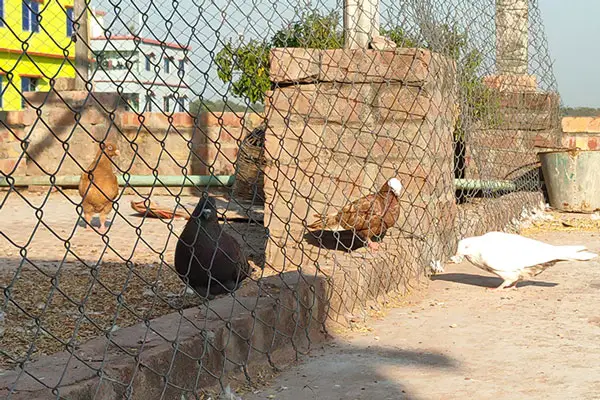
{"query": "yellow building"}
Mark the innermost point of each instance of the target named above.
(35, 46)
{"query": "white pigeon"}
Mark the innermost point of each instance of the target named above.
(514, 258)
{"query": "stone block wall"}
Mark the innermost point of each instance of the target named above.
(172, 145)
(340, 124)
(505, 145)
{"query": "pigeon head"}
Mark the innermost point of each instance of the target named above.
(466, 247)
(393, 185)
(206, 209)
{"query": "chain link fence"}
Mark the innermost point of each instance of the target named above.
(294, 128)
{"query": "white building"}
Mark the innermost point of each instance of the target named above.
(152, 74)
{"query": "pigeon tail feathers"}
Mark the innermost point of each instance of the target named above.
(575, 253)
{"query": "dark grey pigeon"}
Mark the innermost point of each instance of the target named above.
(208, 258)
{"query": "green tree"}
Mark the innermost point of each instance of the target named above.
(579, 112)
(246, 66)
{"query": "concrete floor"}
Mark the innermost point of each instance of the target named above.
(462, 341)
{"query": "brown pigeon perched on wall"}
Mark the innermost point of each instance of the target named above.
(370, 216)
(207, 257)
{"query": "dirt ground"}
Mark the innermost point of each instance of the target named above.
(462, 341)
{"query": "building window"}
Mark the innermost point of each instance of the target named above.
(27, 85)
(167, 65)
(148, 63)
(133, 99)
(182, 66)
(148, 107)
(167, 104)
(70, 22)
(181, 103)
(31, 10)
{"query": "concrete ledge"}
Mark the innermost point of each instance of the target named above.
(581, 124)
(180, 353)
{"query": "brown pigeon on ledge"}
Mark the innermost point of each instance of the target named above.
(370, 216)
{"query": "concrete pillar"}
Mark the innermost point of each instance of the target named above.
(361, 23)
(512, 36)
(82, 52)
(512, 41)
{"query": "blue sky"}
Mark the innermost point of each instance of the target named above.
(571, 28)
(573, 34)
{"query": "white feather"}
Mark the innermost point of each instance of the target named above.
(510, 256)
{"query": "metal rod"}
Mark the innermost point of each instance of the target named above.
(211, 180)
(478, 184)
(129, 180)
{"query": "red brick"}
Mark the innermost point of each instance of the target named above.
(14, 167)
(29, 117)
(55, 116)
(7, 165)
(221, 119)
(14, 118)
(5, 135)
(93, 116)
(543, 141)
(183, 120)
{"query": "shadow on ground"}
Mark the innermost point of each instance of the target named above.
(484, 281)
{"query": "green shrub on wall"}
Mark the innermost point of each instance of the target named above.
(246, 66)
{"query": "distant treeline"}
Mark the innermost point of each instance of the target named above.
(198, 106)
(580, 112)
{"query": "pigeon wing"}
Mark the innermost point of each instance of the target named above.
(507, 252)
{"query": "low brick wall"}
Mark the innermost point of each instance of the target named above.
(581, 132)
(171, 145)
(250, 330)
(506, 145)
(330, 140)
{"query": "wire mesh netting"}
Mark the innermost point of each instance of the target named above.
(192, 191)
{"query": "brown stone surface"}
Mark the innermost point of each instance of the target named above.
(294, 64)
(505, 144)
(512, 83)
(505, 154)
(211, 342)
(409, 66)
(528, 100)
(331, 142)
